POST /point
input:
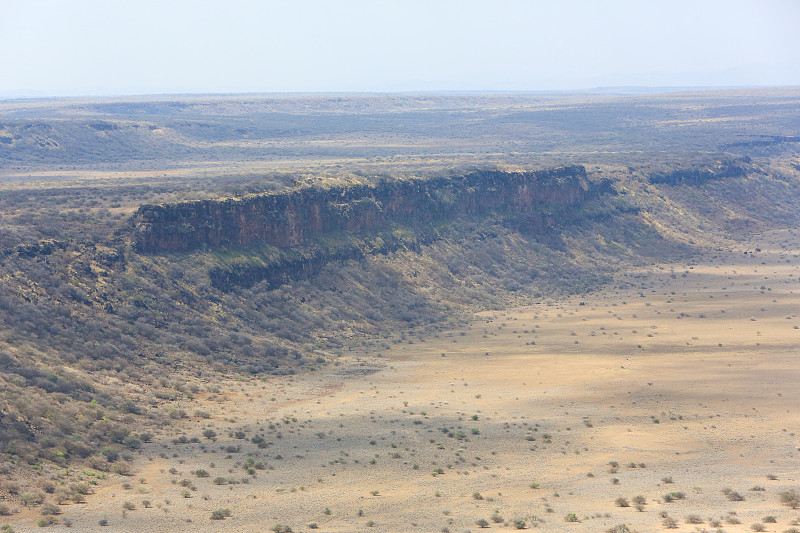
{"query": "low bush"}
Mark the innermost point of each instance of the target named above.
(220, 514)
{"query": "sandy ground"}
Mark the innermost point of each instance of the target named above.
(683, 376)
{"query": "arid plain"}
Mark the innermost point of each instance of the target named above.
(623, 363)
(676, 383)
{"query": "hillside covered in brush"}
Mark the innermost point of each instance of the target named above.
(121, 295)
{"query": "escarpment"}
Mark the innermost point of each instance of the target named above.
(699, 176)
(361, 218)
(289, 218)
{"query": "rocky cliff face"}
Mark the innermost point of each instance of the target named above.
(699, 176)
(301, 264)
(291, 218)
(362, 219)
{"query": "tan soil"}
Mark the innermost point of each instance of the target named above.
(691, 371)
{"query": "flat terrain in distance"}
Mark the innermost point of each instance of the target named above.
(211, 140)
(682, 388)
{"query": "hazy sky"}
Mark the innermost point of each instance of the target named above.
(104, 47)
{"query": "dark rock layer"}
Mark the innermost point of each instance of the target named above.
(290, 218)
(699, 176)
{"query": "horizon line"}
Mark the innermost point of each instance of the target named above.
(623, 89)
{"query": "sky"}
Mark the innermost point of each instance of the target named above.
(126, 47)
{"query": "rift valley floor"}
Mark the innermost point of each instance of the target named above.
(676, 383)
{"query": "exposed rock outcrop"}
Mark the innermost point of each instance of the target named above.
(299, 264)
(699, 176)
(312, 226)
(290, 218)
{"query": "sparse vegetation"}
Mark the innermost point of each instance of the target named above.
(694, 519)
(110, 358)
(620, 528)
(220, 514)
(790, 498)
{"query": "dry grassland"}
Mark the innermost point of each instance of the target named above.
(682, 391)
